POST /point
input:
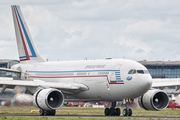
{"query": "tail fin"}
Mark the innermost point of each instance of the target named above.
(26, 48)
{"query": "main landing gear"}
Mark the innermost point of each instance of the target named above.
(112, 111)
(47, 112)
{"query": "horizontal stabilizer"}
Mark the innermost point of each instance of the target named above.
(10, 70)
(18, 73)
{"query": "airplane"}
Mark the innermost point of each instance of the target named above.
(53, 83)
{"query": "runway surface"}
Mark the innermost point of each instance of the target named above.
(84, 116)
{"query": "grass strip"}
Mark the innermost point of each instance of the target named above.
(46, 118)
(87, 111)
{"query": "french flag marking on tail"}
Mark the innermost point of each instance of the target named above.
(26, 48)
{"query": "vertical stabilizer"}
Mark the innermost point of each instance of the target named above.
(26, 48)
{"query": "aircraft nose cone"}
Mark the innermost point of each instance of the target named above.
(145, 83)
(140, 84)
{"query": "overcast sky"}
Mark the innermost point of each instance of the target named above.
(96, 29)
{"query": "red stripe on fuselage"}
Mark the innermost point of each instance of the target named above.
(75, 77)
(24, 45)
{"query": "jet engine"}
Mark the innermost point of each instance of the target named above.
(48, 99)
(154, 100)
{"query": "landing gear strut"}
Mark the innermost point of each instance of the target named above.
(127, 111)
(47, 112)
(112, 111)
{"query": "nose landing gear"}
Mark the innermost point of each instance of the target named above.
(127, 111)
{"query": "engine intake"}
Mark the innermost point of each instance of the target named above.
(48, 99)
(154, 100)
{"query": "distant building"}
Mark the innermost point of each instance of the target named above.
(6, 63)
(163, 69)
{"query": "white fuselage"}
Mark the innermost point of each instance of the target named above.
(106, 79)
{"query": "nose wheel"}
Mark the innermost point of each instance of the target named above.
(127, 111)
(112, 111)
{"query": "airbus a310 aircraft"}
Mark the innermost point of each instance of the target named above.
(52, 83)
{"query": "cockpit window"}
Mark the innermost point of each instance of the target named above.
(132, 71)
(140, 71)
(146, 72)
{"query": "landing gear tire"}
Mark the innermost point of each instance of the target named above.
(118, 111)
(47, 112)
(53, 112)
(106, 111)
(41, 112)
(112, 111)
(130, 112)
(127, 112)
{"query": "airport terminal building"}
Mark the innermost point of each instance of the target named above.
(163, 69)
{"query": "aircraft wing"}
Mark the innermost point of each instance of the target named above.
(166, 82)
(71, 86)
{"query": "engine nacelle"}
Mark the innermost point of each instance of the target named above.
(48, 99)
(154, 100)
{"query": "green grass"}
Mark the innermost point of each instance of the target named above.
(46, 118)
(85, 111)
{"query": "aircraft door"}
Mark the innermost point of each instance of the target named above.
(115, 75)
